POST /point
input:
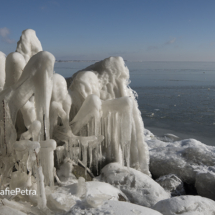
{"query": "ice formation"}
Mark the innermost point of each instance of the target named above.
(2, 70)
(29, 44)
(47, 128)
(92, 122)
(104, 89)
(15, 64)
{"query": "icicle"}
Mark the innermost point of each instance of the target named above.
(115, 139)
(90, 156)
(126, 129)
(60, 152)
(122, 137)
(102, 133)
(105, 132)
(95, 145)
(80, 151)
(109, 128)
(41, 194)
(93, 126)
(4, 121)
(69, 150)
(88, 129)
(84, 147)
(47, 160)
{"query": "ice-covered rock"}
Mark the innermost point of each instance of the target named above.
(2, 70)
(108, 80)
(186, 205)
(172, 183)
(205, 184)
(95, 190)
(114, 208)
(183, 158)
(137, 186)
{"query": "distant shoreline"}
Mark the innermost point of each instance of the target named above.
(66, 61)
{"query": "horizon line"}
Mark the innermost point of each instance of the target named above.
(196, 61)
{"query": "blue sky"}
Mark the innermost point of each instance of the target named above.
(148, 30)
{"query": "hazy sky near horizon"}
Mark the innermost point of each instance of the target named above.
(148, 30)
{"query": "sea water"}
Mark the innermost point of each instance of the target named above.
(173, 97)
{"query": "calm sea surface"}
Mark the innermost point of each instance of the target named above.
(173, 97)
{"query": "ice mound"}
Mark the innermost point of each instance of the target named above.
(108, 81)
(190, 160)
(183, 158)
(137, 186)
(184, 205)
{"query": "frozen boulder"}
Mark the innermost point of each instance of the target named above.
(95, 188)
(186, 205)
(114, 207)
(95, 192)
(172, 183)
(138, 187)
(205, 184)
(183, 158)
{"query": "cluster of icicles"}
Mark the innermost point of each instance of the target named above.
(93, 121)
